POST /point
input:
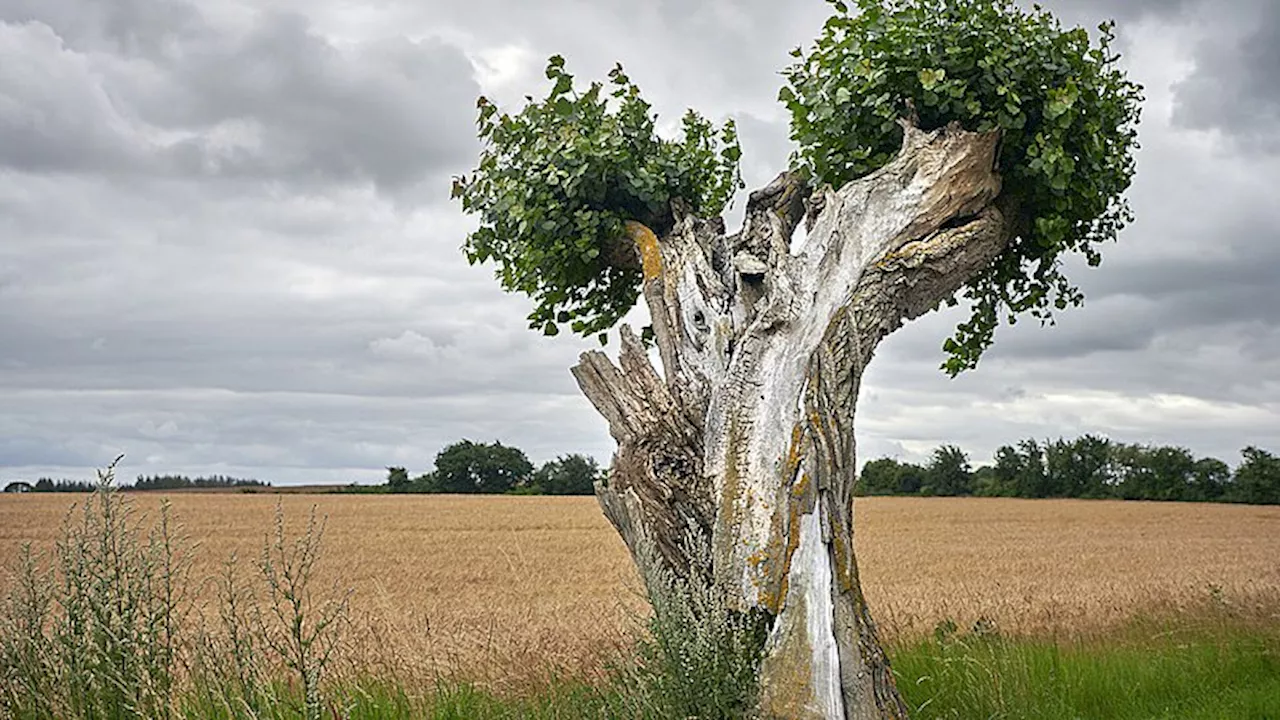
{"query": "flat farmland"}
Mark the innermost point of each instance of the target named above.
(500, 587)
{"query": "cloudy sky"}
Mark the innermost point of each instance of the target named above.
(226, 243)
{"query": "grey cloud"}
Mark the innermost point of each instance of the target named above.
(125, 27)
(275, 101)
(1091, 12)
(54, 114)
(1235, 86)
(240, 262)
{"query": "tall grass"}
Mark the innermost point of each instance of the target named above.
(1213, 672)
(104, 628)
(96, 635)
(108, 630)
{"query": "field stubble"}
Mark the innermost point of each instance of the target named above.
(501, 589)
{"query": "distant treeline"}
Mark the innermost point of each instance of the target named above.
(153, 482)
(493, 468)
(1088, 467)
(181, 482)
(49, 485)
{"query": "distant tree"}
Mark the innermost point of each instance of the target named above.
(182, 482)
(426, 483)
(1077, 469)
(18, 486)
(1154, 473)
(1257, 478)
(878, 477)
(1089, 467)
(1005, 474)
(567, 475)
(398, 480)
(948, 473)
(468, 467)
(1172, 473)
(1210, 480)
(890, 477)
(985, 481)
(62, 486)
(1033, 476)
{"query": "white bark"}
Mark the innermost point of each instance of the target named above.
(748, 437)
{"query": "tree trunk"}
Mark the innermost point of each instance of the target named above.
(747, 439)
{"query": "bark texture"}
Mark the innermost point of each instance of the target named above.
(746, 439)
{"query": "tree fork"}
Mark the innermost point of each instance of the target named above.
(746, 441)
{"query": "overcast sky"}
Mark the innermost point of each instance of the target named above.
(226, 243)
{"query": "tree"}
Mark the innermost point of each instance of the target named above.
(1004, 474)
(398, 480)
(948, 474)
(944, 146)
(1210, 479)
(887, 476)
(1171, 473)
(1077, 469)
(468, 467)
(567, 475)
(1155, 473)
(1257, 479)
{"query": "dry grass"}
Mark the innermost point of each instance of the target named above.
(501, 588)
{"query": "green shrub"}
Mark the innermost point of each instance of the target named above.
(700, 658)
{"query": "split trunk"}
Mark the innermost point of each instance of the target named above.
(745, 442)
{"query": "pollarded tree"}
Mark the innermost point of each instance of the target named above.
(945, 149)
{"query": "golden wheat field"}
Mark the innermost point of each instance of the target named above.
(501, 588)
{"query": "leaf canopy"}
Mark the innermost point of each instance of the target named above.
(556, 183)
(1068, 115)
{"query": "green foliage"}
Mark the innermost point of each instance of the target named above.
(181, 482)
(1218, 674)
(62, 486)
(97, 635)
(398, 480)
(948, 473)
(1088, 467)
(107, 632)
(567, 475)
(1067, 112)
(468, 467)
(887, 476)
(700, 657)
(1257, 480)
(557, 181)
(298, 627)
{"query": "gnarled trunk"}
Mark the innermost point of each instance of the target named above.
(747, 439)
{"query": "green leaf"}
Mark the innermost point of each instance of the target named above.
(555, 64)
